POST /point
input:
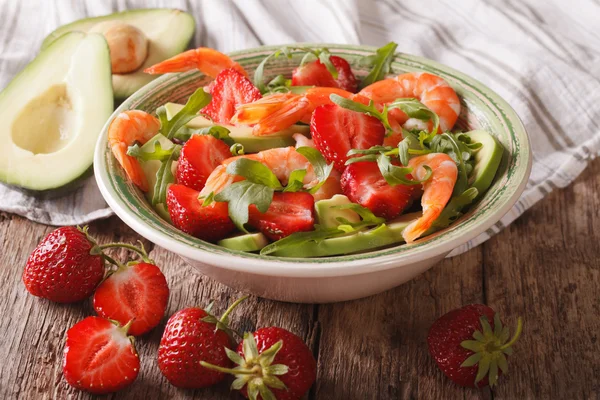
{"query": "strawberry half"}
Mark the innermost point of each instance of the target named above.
(135, 292)
(363, 183)
(200, 155)
(229, 89)
(99, 357)
(315, 73)
(336, 131)
(288, 213)
(210, 223)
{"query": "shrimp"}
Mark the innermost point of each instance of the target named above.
(437, 190)
(429, 89)
(281, 161)
(129, 127)
(204, 59)
(279, 111)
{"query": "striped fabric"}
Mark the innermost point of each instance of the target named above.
(543, 57)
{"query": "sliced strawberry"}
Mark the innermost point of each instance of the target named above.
(199, 157)
(363, 183)
(315, 73)
(336, 130)
(99, 357)
(229, 89)
(135, 292)
(289, 212)
(210, 223)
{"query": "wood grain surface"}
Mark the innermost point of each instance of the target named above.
(545, 267)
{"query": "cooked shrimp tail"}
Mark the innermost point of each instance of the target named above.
(437, 190)
(204, 59)
(127, 128)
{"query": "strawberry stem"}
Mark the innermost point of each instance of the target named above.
(227, 370)
(140, 250)
(231, 308)
(515, 336)
(111, 260)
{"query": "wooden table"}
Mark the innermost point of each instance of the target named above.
(545, 267)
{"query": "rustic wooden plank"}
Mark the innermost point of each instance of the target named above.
(34, 329)
(546, 268)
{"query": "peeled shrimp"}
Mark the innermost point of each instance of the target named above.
(281, 161)
(127, 128)
(429, 89)
(278, 111)
(204, 59)
(437, 190)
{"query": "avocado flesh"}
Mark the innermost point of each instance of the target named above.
(243, 134)
(53, 112)
(247, 242)
(327, 214)
(151, 167)
(381, 236)
(487, 160)
(168, 31)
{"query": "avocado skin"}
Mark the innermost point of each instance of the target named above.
(57, 192)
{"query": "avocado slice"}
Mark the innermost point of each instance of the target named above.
(381, 236)
(327, 215)
(151, 167)
(53, 112)
(168, 32)
(243, 134)
(246, 242)
(487, 160)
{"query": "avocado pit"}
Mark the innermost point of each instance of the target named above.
(127, 44)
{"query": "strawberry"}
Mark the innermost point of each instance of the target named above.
(273, 363)
(229, 89)
(363, 183)
(210, 223)
(200, 155)
(193, 335)
(135, 292)
(64, 267)
(315, 73)
(336, 131)
(289, 212)
(99, 357)
(466, 361)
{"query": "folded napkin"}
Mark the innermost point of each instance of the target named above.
(542, 57)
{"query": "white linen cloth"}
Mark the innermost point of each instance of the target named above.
(542, 56)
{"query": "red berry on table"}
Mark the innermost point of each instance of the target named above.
(470, 345)
(363, 183)
(315, 73)
(229, 89)
(62, 267)
(99, 357)
(288, 213)
(276, 364)
(336, 131)
(210, 223)
(200, 155)
(136, 292)
(193, 335)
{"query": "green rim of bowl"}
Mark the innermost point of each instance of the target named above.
(481, 109)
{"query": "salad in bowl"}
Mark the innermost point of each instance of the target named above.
(313, 172)
(310, 166)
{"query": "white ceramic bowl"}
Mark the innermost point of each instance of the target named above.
(331, 279)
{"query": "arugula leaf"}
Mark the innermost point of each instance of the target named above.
(365, 214)
(453, 209)
(321, 168)
(197, 101)
(451, 147)
(164, 177)
(370, 110)
(409, 146)
(302, 237)
(240, 195)
(254, 172)
(219, 132)
(324, 58)
(395, 175)
(259, 79)
(207, 199)
(296, 181)
(415, 109)
(279, 84)
(370, 154)
(158, 154)
(381, 62)
(237, 149)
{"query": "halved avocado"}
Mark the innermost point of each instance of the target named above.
(243, 134)
(53, 112)
(168, 32)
